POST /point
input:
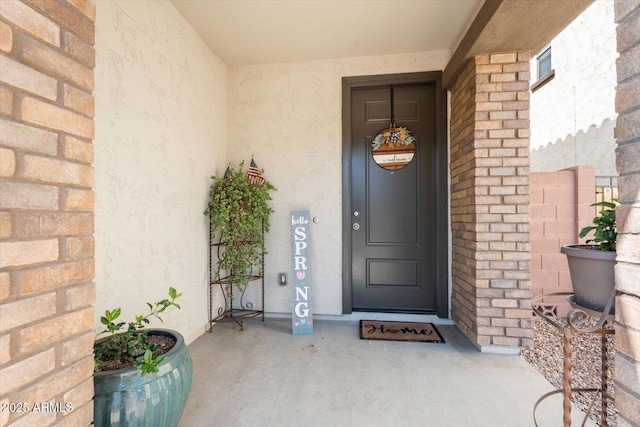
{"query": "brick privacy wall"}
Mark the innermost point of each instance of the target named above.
(46, 211)
(627, 133)
(560, 207)
(491, 295)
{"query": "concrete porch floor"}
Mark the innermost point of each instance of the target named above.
(265, 376)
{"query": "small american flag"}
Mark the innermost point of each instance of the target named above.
(254, 174)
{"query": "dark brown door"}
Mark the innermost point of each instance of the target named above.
(393, 219)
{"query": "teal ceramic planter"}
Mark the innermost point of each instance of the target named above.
(126, 398)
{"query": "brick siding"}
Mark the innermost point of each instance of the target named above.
(46, 210)
(627, 133)
(491, 295)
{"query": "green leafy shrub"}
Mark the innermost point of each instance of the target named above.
(133, 347)
(604, 228)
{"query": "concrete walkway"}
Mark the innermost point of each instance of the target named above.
(264, 376)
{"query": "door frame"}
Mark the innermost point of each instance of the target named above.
(442, 181)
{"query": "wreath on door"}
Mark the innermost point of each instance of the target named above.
(393, 136)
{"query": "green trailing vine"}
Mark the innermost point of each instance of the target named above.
(239, 212)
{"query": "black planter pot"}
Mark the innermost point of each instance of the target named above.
(592, 275)
(125, 397)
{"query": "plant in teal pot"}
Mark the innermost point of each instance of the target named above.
(142, 376)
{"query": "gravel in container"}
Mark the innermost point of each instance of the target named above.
(546, 357)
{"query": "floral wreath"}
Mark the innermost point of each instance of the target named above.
(393, 136)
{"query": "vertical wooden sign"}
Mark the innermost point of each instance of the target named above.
(302, 318)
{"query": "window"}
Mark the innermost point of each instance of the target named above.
(544, 63)
(545, 73)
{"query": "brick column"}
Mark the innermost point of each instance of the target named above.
(46, 212)
(627, 133)
(491, 298)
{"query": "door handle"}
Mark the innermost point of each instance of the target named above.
(356, 226)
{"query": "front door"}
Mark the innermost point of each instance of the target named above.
(394, 215)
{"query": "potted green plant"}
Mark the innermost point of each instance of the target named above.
(592, 265)
(239, 213)
(142, 376)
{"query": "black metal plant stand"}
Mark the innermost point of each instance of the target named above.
(235, 308)
(576, 319)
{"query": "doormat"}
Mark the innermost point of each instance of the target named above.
(399, 331)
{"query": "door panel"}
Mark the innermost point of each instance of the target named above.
(386, 192)
(382, 272)
(394, 266)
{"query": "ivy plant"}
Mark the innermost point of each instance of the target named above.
(604, 228)
(239, 213)
(131, 347)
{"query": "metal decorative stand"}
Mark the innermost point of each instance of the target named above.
(235, 308)
(577, 318)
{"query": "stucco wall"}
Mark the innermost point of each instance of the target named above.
(573, 115)
(160, 133)
(288, 116)
(161, 101)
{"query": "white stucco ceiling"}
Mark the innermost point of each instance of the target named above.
(246, 32)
